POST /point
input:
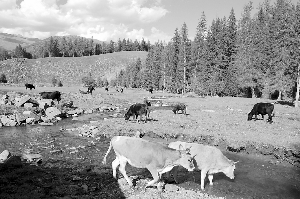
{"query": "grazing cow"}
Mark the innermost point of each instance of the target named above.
(141, 153)
(90, 89)
(136, 110)
(150, 90)
(30, 86)
(121, 90)
(263, 109)
(208, 159)
(51, 95)
(179, 106)
(106, 89)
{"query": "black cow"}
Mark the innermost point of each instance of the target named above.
(150, 90)
(30, 86)
(263, 109)
(90, 89)
(136, 110)
(51, 95)
(121, 90)
(106, 89)
(179, 107)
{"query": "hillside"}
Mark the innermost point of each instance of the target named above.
(10, 41)
(69, 70)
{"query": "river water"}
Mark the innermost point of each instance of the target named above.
(256, 176)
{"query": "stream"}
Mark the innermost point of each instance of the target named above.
(256, 176)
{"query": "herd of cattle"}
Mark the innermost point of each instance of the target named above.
(158, 158)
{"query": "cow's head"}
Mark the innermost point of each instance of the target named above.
(127, 115)
(186, 160)
(229, 171)
(250, 115)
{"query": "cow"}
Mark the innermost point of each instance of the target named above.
(90, 89)
(179, 106)
(51, 95)
(106, 89)
(150, 90)
(121, 90)
(263, 109)
(208, 159)
(136, 110)
(141, 153)
(30, 86)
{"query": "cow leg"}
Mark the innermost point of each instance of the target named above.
(210, 178)
(203, 176)
(123, 163)
(115, 164)
(270, 117)
(255, 117)
(155, 176)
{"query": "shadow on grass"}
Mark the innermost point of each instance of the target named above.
(55, 180)
(285, 103)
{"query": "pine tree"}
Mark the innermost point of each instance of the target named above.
(63, 46)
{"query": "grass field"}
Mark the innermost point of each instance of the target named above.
(70, 70)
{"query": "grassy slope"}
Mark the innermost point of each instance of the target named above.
(10, 41)
(70, 70)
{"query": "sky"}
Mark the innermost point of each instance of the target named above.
(105, 20)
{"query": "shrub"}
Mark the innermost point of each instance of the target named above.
(54, 81)
(88, 81)
(3, 78)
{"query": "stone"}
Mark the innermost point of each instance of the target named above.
(8, 120)
(26, 112)
(30, 120)
(52, 112)
(5, 97)
(28, 105)
(21, 101)
(4, 155)
(46, 123)
(45, 103)
(68, 104)
(88, 111)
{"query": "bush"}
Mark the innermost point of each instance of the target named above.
(54, 81)
(3, 78)
(59, 84)
(88, 81)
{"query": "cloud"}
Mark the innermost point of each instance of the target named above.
(102, 19)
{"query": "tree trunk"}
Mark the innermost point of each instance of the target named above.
(297, 91)
(279, 96)
(252, 92)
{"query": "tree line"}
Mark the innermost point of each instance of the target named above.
(73, 46)
(257, 56)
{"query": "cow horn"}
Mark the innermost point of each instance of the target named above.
(188, 150)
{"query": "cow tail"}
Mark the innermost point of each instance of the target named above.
(109, 148)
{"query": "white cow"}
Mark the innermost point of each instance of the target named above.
(208, 159)
(140, 153)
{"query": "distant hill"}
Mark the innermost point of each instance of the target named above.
(10, 41)
(69, 70)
